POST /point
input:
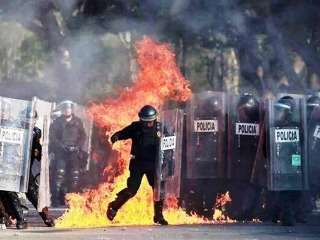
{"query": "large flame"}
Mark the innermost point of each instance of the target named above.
(158, 79)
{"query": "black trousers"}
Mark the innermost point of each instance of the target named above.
(138, 169)
(66, 175)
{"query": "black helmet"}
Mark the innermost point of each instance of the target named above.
(247, 100)
(284, 108)
(214, 103)
(147, 113)
(313, 101)
(285, 103)
(249, 105)
(313, 104)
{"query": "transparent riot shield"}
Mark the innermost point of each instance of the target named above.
(286, 144)
(206, 129)
(15, 143)
(81, 112)
(168, 167)
(259, 171)
(243, 136)
(313, 118)
(40, 169)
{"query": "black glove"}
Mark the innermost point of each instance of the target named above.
(70, 149)
(65, 148)
(74, 149)
(114, 138)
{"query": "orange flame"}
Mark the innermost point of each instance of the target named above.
(221, 201)
(158, 79)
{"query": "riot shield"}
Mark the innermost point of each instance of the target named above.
(40, 169)
(206, 128)
(243, 135)
(168, 167)
(80, 111)
(15, 143)
(286, 144)
(313, 116)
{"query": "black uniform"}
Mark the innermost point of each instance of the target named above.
(243, 145)
(145, 141)
(283, 209)
(68, 137)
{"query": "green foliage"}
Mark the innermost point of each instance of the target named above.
(22, 54)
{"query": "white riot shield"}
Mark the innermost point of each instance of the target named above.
(244, 128)
(168, 167)
(286, 145)
(206, 133)
(40, 170)
(15, 143)
(80, 111)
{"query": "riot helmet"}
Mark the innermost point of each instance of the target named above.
(208, 106)
(248, 107)
(313, 106)
(6, 106)
(213, 105)
(66, 108)
(148, 113)
(284, 108)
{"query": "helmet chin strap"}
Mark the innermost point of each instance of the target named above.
(67, 116)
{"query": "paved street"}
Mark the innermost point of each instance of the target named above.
(234, 231)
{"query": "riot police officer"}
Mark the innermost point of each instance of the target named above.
(284, 109)
(11, 204)
(145, 135)
(313, 115)
(33, 186)
(68, 136)
(244, 132)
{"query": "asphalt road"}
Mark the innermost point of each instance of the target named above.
(252, 231)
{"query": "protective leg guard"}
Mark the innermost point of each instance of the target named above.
(158, 216)
(57, 188)
(113, 207)
(74, 181)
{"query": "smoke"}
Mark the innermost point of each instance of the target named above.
(87, 56)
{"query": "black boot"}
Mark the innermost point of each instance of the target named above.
(58, 186)
(17, 211)
(46, 217)
(22, 224)
(158, 216)
(113, 207)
